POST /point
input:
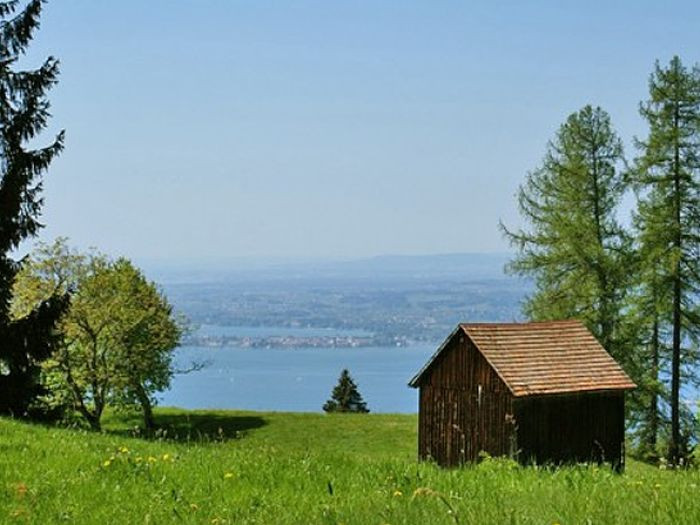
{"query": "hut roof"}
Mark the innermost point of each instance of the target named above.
(553, 357)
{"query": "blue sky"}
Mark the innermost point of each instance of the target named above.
(217, 129)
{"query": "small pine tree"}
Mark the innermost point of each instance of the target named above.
(345, 396)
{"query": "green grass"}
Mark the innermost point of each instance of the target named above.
(274, 468)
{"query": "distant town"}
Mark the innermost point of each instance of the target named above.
(384, 309)
(290, 341)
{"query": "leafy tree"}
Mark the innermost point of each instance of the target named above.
(667, 175)
(345, 396)
(145, 335)
(24, 113)
(573, 246)
(117, 335)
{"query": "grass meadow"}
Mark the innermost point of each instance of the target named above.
(220, 467)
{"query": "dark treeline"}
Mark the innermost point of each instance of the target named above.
(24, 112)
(636, 288)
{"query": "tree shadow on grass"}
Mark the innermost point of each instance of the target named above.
(198, 427)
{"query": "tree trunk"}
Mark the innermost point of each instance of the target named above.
(92, 417)
(653, 430)
(146, 407)
(604, 317)
(94, 422)
(674, 449)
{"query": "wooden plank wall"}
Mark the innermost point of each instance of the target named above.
(465, 408)
(583, 427)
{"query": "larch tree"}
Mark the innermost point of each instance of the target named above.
(572, 244)
(24, 114)
(667, 177)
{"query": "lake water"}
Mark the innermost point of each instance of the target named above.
(298, 379)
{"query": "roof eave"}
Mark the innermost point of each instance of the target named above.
(415, 381)
(573, 392)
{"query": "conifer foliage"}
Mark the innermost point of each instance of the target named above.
(24, 113)
(667, 177)
(573, 246)
(345, 396)
(638, 290)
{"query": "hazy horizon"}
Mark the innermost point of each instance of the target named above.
(388, 267)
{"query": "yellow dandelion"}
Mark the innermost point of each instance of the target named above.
(107, 463)
(398, 493)
(138, 459)
(124, 450)
(151, 459)
(657, 485)
(228, 475)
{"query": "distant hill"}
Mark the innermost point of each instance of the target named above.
(385, 268)
(461, 266)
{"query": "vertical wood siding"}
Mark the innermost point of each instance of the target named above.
(465, 408)
(582, 427)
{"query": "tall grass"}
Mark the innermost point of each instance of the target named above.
(246, 467)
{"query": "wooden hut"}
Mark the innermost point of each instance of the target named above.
(541, 392)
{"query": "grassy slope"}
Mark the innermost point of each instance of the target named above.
(304, 468)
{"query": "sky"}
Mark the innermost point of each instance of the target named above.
(211, 130)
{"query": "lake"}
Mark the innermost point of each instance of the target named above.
(299, 379)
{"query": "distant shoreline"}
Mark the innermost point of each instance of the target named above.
(287, 341)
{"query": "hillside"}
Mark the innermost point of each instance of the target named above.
(250, 467)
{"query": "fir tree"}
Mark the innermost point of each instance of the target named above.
(573, 246)
(667, 175)
(345, 396)
(24, 113)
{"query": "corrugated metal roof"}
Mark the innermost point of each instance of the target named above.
(552, 357)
